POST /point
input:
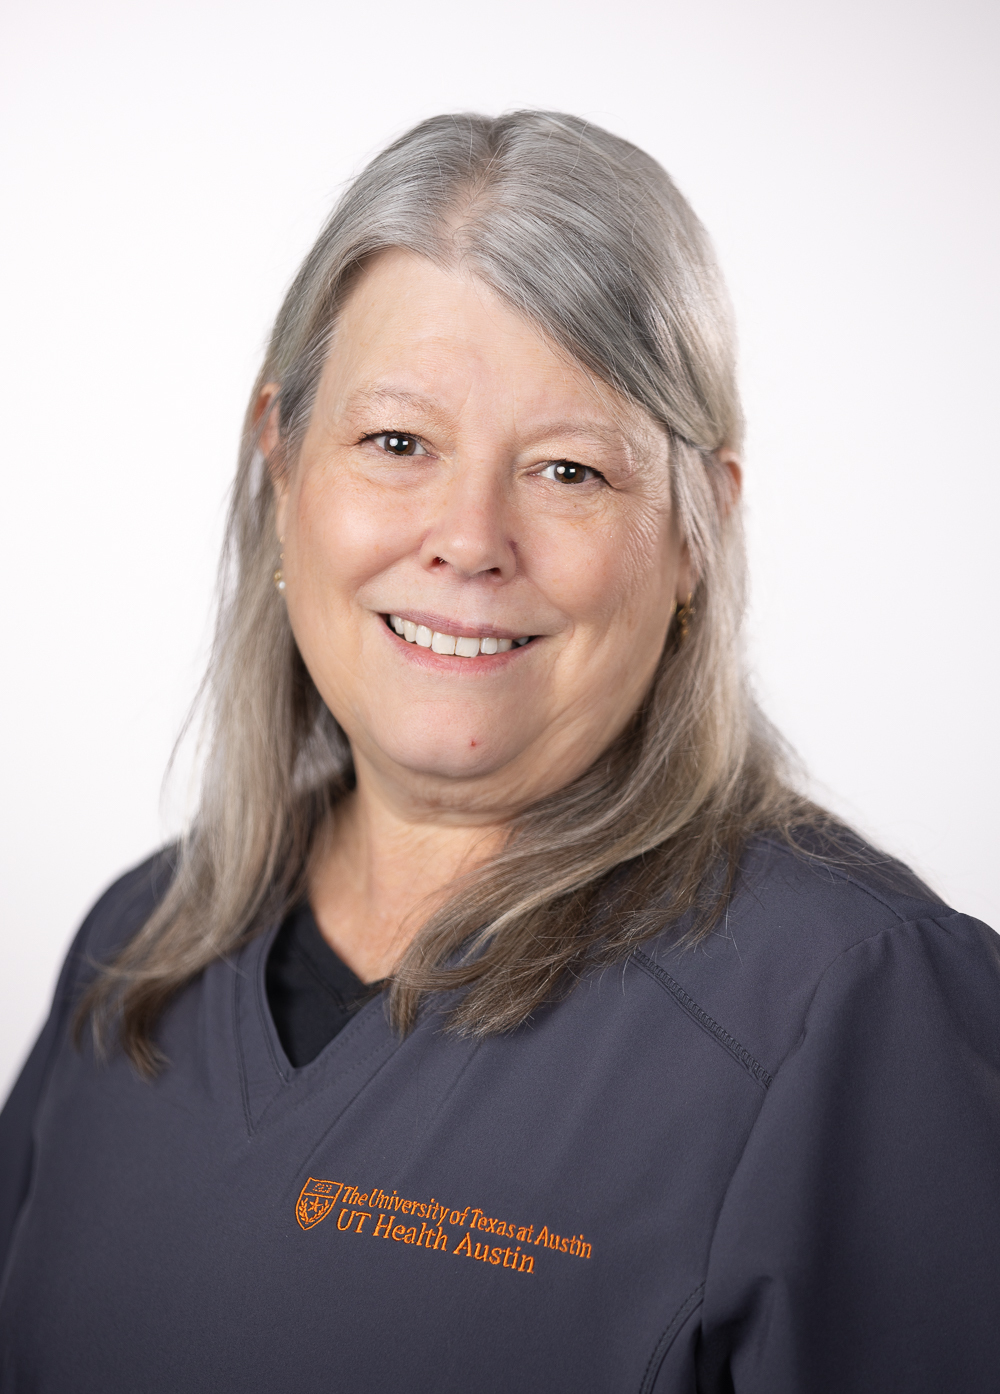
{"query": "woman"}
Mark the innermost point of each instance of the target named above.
(506, 1021)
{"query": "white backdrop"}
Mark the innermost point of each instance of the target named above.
(166, 165)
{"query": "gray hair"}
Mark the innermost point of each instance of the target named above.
(587, 237)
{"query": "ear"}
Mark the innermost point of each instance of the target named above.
(732, 476)
(687, 577)
(728, 485)
(265, 410)
(266, 418)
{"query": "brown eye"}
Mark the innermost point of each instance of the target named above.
(399, 443)
(566, 472)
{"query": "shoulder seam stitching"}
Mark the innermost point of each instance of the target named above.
(698, 1014)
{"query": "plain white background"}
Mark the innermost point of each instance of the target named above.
(166, 166)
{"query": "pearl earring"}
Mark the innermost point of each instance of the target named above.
(279, 575)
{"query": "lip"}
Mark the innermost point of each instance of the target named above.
(484, 665)
(440, 624)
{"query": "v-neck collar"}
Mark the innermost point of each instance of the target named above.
(312, 994)
(321, 958)
(269, 1083)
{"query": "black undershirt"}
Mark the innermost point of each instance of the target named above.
(311, 992)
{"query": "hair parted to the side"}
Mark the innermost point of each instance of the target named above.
(586, 236)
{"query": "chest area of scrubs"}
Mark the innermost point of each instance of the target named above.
(527, 1211)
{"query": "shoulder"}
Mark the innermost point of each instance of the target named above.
(798, 921)
(825, 896)
(124, 907)
(115, 917)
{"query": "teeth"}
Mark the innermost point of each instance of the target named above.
(448, 644)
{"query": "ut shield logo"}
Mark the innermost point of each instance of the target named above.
(316, 1199)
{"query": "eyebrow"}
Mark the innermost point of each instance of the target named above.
(379, 397)
(387, 397)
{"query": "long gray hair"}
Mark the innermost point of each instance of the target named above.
(586, 236)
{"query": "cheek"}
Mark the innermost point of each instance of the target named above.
(346, 530)
(615, 569)
(341, 534)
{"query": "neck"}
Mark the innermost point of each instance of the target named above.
(383, 865)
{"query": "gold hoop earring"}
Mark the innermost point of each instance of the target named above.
(682, 618)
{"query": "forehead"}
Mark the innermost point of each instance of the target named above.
(415, 335)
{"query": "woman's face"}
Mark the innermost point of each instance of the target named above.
(461, 474)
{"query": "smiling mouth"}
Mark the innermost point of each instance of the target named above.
(462, 646)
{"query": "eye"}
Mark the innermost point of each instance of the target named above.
(566, 472)
(397, 443)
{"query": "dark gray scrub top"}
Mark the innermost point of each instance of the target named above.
(767, 1165)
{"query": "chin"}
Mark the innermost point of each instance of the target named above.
(453, 753)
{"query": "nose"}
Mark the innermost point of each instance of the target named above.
(471, 532)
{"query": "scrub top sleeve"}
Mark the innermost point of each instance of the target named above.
(858, 1246)
(18, 1116)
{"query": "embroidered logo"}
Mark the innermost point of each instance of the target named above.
(316, 1199)
(437, 1221)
